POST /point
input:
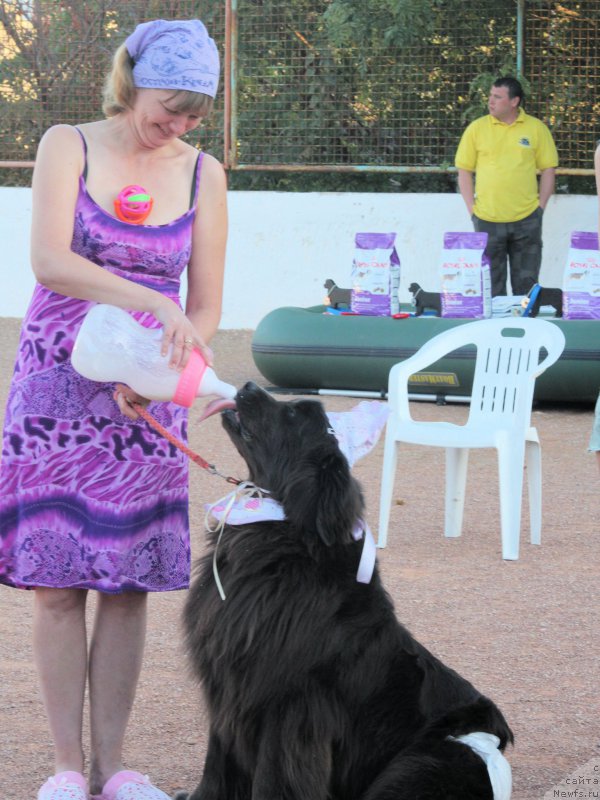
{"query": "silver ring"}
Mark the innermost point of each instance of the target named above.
(187, 340)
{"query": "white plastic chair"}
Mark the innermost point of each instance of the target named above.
(507, 364)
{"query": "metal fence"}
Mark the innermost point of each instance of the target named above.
(54, 55)
(358, 92)
(561, 61)
(321, 85)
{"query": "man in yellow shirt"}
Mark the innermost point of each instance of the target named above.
(504, 151)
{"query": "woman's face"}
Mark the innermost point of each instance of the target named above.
(156, 119)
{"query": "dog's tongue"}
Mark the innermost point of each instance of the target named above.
(220, 404)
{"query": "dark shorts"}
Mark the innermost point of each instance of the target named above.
(519, 244)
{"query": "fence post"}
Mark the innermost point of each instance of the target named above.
(520, 38)
(230, 81)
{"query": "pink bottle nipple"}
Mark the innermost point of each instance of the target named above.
(187, 388)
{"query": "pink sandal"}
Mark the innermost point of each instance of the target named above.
(129, 785)
(64, 786)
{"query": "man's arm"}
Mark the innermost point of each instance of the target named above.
(547, 178)
(466, 188)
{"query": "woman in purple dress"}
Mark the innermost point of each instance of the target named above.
(90, 497)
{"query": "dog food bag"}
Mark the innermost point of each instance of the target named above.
(466, 283)
(581, 280)
(375, 275)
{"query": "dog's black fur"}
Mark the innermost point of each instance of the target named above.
(337, 296)
(314, 690)
(423, 300)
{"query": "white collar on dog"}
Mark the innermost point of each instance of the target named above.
(246, 504)
(486, 747)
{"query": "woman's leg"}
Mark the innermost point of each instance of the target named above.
(116, 650)
(60, 653)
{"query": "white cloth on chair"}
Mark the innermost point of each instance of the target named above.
(359, 429)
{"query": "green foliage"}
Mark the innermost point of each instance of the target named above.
(54, 55)
(321, 83)
(375, 23)
(362, 82)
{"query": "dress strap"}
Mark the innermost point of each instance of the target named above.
(85, 150)
(196, 181)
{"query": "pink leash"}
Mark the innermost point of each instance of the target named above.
(195, 457)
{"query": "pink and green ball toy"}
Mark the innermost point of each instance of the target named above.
(133, 205)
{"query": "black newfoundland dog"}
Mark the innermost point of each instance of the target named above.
(314, 690)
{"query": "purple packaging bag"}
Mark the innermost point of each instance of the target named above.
(466, 283)
(581, 280)
(375, 275)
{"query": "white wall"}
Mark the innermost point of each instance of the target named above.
(282, 246)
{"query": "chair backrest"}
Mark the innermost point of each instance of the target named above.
(507, 364)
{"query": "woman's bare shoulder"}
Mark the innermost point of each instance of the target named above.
(59, 135)
(59, 148)
(66, 139)
(214, 162)
(212, 168)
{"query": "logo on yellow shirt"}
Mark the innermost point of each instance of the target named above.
(524, 142)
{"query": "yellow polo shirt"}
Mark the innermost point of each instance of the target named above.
(505, 159)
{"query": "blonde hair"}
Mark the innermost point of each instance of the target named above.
(120, 92)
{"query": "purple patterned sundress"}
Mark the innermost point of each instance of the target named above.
(88, 498)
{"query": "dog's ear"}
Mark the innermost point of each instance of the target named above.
(322, 496)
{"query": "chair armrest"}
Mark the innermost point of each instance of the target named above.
(430, 352)
(554, 345)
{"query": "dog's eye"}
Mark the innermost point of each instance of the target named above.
(291, 412)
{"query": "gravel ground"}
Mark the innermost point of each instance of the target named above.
(525, 632)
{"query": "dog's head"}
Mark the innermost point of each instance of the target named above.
(329, 284)
(292, 452)
(414, 287)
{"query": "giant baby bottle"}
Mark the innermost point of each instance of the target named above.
(112, 346)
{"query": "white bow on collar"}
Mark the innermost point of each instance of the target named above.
(247, 504)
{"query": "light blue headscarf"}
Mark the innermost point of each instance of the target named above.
(174, 54)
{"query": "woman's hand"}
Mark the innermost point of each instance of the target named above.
(124, 397)
(181, 334)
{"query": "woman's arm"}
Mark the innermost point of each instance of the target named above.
(207, 261)
(58, 165)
